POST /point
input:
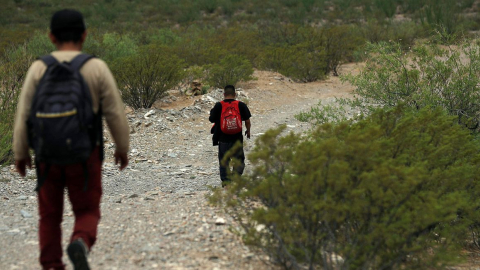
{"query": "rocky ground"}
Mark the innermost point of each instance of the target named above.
(155, 214)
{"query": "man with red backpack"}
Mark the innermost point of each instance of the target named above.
(59, 116)
(227, 131)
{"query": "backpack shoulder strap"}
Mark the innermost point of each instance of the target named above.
(79, 60)
(49, 60)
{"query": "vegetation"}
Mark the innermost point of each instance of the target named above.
(230, 70)
(13, 68)
(394, 190)
(146, 77)
(426, 76)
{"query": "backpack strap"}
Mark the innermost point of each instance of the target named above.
(79, 60)
(49, 60)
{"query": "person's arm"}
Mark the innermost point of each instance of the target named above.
(245, 113)
(113, 110)
(214, 113)
(247, 125)
(20, 140)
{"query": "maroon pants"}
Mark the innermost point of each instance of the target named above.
(85, 206)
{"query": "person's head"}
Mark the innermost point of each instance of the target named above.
(229, 91)
(67, 27)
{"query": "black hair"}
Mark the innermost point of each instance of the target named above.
(66, 35)
(67, 25)
(229, 90)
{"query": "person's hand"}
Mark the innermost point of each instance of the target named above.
(247, 133)
(21, 165)
(121, 158)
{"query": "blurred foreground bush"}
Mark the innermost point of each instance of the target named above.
(395, 190)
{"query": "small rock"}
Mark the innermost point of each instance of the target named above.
(150, 113)
(25, 214)
(220, 221)
(213, 258)
(22, 198)
(133, 196)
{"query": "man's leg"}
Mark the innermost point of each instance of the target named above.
(85, 204)
(222, 150)
(50, 205)
(240, 156)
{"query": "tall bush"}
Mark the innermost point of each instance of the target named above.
(303, 63)
(230, 70)
(390, 191)
(340, 42)
(145, 77)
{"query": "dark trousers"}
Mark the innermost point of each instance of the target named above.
(85, 206)
(223, 148)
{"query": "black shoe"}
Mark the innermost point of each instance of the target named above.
(77, 252)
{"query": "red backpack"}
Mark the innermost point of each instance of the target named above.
(230, 119)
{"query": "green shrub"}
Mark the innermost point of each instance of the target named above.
(116, 46)
(39, 45)
(13, 68)
(244, 41)
(199, 51)
(145, 77)
(390, 191)
(230, 70)
(303, 64)
(444, 14)
(428, 76)
(340, 42)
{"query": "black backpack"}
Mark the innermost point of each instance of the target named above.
(62, 128)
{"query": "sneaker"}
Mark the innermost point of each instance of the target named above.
(77, 252)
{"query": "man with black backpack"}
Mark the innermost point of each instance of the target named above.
(227, 131)
(59, 116)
